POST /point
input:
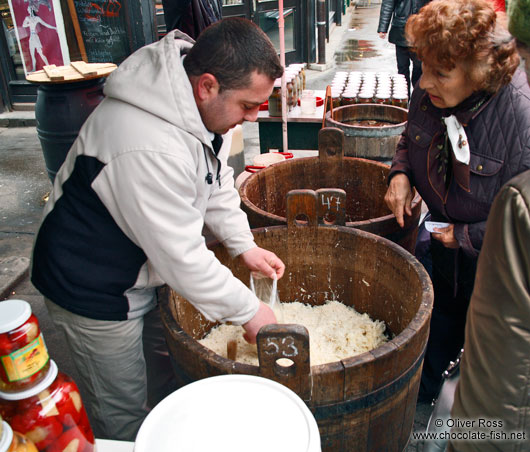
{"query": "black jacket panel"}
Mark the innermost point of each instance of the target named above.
(399, 11)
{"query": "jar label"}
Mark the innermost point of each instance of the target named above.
(26, 361)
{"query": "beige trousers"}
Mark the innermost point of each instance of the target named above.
(124, 365)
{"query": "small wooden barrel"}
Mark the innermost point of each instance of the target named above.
(371, 142)
(362, 403)
(263, 194)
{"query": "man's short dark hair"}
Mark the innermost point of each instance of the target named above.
(231, 49)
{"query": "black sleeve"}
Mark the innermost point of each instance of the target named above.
(387, 9)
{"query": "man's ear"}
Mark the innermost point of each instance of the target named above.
(207, 87)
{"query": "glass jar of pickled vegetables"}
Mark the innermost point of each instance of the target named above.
(302, 74)
(400, 99)
(50, 414)
(365, 97)
(275, 99)
(11, 441)
(290, 92)
(349, 97)
(23, 354)
(293, 75)
(383, 97)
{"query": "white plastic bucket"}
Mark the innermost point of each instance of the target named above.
(261, 161)
(230, 413)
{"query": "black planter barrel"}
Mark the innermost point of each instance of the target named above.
(60, 111)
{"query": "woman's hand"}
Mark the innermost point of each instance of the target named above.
(263, 261)
(264, 316)
(446, 236)
(398, 197)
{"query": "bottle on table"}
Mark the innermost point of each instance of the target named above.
(23, 353)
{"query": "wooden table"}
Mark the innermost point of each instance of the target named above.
(302, 130)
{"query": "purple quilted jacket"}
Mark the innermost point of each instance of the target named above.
(499, 140)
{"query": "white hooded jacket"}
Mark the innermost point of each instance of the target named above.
(129, 203)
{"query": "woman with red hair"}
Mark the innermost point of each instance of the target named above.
(468, 133)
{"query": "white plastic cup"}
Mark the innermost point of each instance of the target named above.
(308, 103)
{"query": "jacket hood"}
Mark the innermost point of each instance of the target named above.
(153, 79)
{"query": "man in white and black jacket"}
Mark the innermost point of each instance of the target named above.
(128, 207)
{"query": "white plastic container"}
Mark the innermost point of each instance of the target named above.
(230, 413)
(308, 102)
(260, 161)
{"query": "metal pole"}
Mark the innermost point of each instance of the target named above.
(321, 29)
(281, 27)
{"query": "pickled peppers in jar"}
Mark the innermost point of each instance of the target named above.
(51, 414)
(11, 441)
(23, 354)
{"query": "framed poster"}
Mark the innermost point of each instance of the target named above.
(40, 33)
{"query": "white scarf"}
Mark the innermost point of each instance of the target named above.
(457, 136)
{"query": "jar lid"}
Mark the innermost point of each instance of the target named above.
(47, 381)
(6, 437)
(349, 93)
(177, 422)
(13, 313)
(366, 95)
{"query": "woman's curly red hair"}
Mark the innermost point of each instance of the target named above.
(447, 32)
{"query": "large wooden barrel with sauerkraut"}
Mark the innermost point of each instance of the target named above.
(362, 403)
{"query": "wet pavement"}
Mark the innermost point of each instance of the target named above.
(362, 47)
(24, 183)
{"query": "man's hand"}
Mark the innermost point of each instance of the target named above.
(263, 261)
(382, 35)
(264, 316)
(398, 197)
(446, 236)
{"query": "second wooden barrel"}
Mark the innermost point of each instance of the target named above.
(372, 130)
(362, 403)
(263, 194)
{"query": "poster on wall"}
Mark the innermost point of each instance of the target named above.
(40, 33)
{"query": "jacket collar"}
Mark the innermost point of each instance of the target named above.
(442, 165)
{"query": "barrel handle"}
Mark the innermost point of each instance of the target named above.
(331, 206)
(309, 208)
(301, 209)
(330, 144)
(286, 341)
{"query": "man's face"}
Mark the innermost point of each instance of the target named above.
(231, 107)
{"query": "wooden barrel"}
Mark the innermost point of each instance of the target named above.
(362, 403)
(371, 142)
(263, 194)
